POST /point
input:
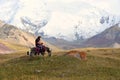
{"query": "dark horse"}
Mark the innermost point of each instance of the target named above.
(38, 51)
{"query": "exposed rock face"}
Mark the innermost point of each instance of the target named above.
(78, 54)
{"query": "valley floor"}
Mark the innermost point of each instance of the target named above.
(101, 64)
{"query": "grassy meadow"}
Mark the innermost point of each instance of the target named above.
(101, 64)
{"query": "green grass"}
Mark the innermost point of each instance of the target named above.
(60, 68)
(7, 57)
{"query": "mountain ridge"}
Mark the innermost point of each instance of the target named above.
(108, 38)
(105, 39)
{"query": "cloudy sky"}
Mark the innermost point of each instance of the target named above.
(8, 7)
(111, 6)
(59, 13)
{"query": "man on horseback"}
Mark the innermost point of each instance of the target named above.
(38, 42)
(41, 47)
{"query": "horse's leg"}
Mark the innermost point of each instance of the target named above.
(31, 52)
(49, 51)
(42, 53)
(38, 52)
(35, 53)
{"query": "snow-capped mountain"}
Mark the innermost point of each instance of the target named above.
(87, 23)
(35, 16)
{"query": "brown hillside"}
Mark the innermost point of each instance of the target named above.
(4, 49)
(11, 34)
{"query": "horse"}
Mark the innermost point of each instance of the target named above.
(38, 51)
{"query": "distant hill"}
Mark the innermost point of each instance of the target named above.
(13, 39)
(108, 38)
(13, 35)
(62, 43)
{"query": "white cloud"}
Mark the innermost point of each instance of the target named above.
(111, 6)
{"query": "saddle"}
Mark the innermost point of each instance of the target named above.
(39, 50)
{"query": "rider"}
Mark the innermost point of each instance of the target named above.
(41, 46)
(38, 42)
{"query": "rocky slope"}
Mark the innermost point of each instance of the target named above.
(108, 38)
(14, 35)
